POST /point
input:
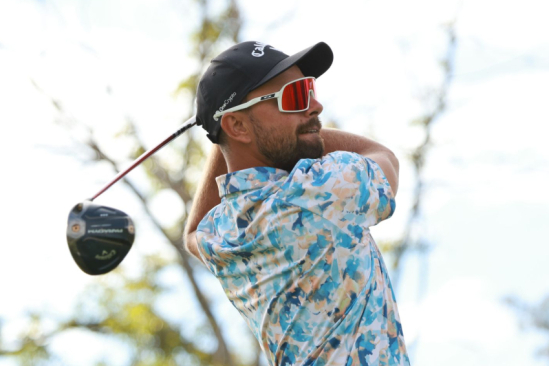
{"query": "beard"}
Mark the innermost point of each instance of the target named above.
(284, 151)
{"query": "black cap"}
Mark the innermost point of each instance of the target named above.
(245, 67)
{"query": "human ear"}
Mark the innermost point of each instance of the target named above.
(235, 127)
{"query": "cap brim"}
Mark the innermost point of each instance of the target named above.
(313, 61)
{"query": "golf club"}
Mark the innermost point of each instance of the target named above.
(99, 237)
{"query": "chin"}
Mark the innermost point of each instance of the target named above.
(312, 149)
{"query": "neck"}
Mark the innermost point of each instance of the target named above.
(240, 157)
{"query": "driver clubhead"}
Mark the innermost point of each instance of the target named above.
(99, 237)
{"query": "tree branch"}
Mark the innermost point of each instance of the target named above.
(223, 355)
(419, 156)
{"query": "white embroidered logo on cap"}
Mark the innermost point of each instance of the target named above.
(259, 49)
(227, 101)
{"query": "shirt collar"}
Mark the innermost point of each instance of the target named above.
(248, 179)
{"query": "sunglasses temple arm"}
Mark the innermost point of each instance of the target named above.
(188, 124)
(247, 104)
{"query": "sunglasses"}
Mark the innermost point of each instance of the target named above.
(293, 97)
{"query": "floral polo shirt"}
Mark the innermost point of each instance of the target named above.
(294, 254)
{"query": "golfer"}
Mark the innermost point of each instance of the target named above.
(283, 213)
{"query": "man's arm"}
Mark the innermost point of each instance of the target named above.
(206, 197)
(335, 140)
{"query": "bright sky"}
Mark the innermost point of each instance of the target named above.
(485, 210)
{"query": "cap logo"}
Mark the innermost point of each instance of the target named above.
(227, 101)
(259, 49)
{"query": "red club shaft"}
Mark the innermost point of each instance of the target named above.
(188, 124)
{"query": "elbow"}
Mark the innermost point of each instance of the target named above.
(394, 161)
(188, 234)
(188, 239)
(186, 243)
(191, 245)
(396, 167)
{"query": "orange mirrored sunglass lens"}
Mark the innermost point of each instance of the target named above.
(295, 96)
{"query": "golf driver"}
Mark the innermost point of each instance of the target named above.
(99, 237)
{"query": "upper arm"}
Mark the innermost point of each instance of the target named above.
(389, 164)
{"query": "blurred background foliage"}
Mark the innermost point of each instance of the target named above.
(534, 317)
(124, 308)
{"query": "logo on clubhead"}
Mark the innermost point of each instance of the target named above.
(106, 255)
(105, 231)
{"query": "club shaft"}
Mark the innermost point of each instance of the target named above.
(188, 124)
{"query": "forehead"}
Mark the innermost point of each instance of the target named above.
(275, 84)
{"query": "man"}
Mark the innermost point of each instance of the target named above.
(285, 225)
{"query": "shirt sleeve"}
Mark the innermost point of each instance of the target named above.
(342, 187)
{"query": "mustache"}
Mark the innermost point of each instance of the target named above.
(313, 124)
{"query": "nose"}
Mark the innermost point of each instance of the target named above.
(315, 107)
